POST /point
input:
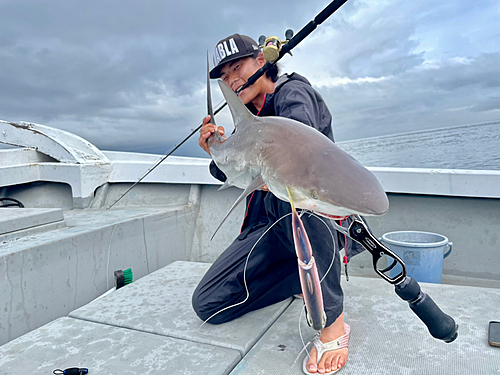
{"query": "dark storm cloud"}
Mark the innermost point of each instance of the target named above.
(407, 66)
(130, 75)
(453, 94)
(121, 74)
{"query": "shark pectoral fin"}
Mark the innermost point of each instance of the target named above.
(254, 185)
(225, 186)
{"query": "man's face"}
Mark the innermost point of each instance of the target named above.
(236, 73)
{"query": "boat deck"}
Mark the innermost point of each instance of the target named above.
(149, 327)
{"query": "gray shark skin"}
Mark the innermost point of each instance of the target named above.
(281, 153)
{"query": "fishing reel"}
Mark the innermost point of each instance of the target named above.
(271, 46)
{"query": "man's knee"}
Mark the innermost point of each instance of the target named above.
(198, 305)
(207, 315)
(209, 310)
(205, 308)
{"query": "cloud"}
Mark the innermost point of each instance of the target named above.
(448, 95)
(130, 75)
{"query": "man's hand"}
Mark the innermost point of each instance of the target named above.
(206, 130)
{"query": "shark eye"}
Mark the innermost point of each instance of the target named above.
(314, 194)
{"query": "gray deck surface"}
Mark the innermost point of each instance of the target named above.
(149, 327)
(107, 350)
(160, 303)
(386, 337)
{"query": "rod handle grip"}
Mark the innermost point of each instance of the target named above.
(441, 326)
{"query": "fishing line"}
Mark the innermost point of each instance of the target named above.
(304, 345)
(285, 48)
(219, 106)
(245, 271)
(253, 247)
(303, 310)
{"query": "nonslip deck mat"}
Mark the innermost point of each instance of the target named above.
(67, 342)
(160, 303)
(386, 337)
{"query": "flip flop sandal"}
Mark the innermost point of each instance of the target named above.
(339, 343)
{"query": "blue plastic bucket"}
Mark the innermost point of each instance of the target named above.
(422, 253)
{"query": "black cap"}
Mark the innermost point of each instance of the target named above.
(231, 48)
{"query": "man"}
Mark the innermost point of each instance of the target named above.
(272, 272)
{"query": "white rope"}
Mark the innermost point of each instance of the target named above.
(253, 247)
(304, 345)
(303, 310)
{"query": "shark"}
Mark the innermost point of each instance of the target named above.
(302, 166)
(299, 165)
(291, 157)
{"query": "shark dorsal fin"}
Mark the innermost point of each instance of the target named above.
(239, 111)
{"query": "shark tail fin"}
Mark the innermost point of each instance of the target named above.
(239, 111)
(210, 108)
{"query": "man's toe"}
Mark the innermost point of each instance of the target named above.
(327, 363)
(312, 368)
(322, 365)
(339, 362)
(311, 363)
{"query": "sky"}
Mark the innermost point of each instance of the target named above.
(131, 75)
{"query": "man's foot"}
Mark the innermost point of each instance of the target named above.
(331, 360)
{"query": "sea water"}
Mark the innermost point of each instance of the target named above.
(475, 147)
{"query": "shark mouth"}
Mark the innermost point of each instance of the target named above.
(334, 217)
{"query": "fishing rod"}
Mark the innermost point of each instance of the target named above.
(274, 49)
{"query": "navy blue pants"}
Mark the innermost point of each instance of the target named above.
(272, 270)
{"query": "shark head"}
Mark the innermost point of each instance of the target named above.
(330, 182)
